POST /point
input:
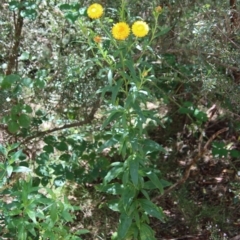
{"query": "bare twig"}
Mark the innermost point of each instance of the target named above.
(87, 120)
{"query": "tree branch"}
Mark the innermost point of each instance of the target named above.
(12, 60)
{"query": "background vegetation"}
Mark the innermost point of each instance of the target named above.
(109, 139)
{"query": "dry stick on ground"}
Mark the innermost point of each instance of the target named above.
(194, 161)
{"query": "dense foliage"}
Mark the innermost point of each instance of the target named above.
(125, 113)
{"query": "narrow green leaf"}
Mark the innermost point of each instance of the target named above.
(15, 156)
(116, 89)
(133, 166)
(82, 231)
(32, 215)
(111, 142)
(116, 114)
(113, 188)
(146, 232)
(155, 180)
(110, 76)
(9, 170)
(113, 173)
(125, 223)
(67, 216)
(54, 213)
(150, 146)
(151, 209)
(128, 195)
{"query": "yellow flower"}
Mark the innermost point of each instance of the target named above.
(120, 31)
(97, 39)
(95, 11)
(140, 29)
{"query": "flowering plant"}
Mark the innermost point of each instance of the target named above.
(128, 76)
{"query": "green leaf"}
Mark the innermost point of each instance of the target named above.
(201, 116)
(54, 213)
(150, 146)
(65, 157)
(48, 148)
(155, 180)
(71, 16)
(219, 149)
(133, 166)
(42, 171)
(110, 77)
(24, 120)
(29, 13)
(9, 80)
(163, 31)
(115, 114)
(113, 173)
(125, 223)
(116, 89)
(32, 215)
(234, 153)
(50, 139)
(15, 156)
(28, 108)
(67, 216)
(81, 231)
(13, 126)
(65, 7)
(39, 83)
(146, 232)
(111, 142)
(36, 181)
(151, 209)
(61, 146)
(14, 5)
(9, 170)
(3, 150)
(113, 205)
(113, 188)
(45, 181)
(128, 195)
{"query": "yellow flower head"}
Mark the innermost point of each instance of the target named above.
(120, 31)
(97, 39)
(140, 29)
(95, 11)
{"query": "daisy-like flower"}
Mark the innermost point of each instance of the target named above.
(140, 28)
(120, 31)
(95, 11)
